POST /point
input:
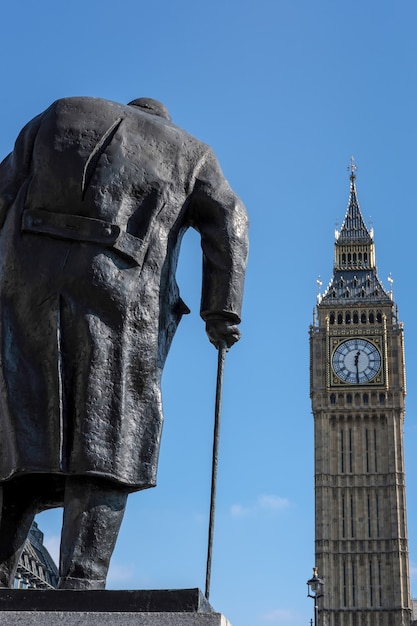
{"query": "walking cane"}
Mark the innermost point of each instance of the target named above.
(216, 439)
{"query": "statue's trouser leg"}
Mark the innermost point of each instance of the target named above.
(17, 513)
(93, 512)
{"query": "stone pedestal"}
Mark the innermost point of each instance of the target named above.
(179, 607)
(58, 618)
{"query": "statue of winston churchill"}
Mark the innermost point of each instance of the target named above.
(94, 201)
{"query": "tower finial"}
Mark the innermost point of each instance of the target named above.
(391, 291)
(319, 284)
(352, 168)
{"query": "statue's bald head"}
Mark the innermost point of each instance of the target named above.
(151, 106)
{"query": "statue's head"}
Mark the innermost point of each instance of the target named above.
(151, 106)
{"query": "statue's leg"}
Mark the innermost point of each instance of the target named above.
(16, 516)
(93, 512)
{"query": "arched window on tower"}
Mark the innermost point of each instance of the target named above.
(355, 318)
(332, 318)
(371, 318)
(347, 318)
(340, 318)
(363, 318)
(379, 317)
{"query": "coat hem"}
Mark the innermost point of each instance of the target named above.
(60, 476)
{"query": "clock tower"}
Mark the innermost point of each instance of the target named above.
(357, 391)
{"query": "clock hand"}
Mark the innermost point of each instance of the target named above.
(357, 365)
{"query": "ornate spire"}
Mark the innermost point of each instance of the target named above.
(353, 228)
(355, 277)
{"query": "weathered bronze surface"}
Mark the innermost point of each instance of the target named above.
(94, 201)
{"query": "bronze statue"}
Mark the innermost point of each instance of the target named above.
(94, 201)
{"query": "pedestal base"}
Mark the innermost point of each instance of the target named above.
(176, 607)
(69, 618)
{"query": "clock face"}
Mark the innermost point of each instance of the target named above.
(356, 361)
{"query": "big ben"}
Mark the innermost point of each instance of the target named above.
(358, 391)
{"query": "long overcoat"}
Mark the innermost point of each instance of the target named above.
(95, 199)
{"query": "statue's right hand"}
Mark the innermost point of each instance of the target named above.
(221, 332)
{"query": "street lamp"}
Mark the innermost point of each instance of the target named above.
(315, 585)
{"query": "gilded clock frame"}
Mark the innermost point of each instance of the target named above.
(335, 341)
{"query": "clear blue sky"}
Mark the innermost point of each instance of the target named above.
(285, 91)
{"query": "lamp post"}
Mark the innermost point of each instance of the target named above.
(315, 586)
